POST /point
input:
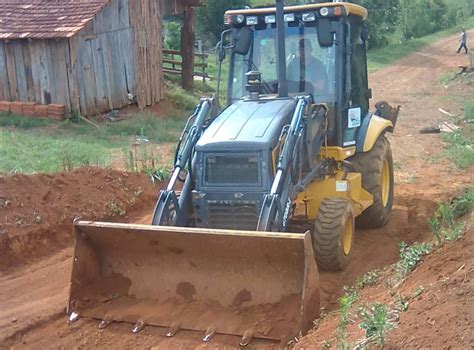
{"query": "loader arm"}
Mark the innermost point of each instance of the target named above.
(277, 205)
(171, 210)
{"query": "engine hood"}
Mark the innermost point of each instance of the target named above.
(247, 125)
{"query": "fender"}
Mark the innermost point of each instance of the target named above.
(371, 131)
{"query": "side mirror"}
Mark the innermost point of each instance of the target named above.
(325, 33)
(220, 52)
(242, 39)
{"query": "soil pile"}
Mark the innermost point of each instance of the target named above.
(37, 211)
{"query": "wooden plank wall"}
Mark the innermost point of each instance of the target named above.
(35, 71)
(4, 82)
(105, 60)
(145, 17)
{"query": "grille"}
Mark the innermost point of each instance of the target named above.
(233, 216)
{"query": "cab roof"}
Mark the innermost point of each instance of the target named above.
(350, 9)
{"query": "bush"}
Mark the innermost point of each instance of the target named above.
(172, 33)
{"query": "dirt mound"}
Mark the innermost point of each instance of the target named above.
(443, 314)
(440, 314)
(36, 211)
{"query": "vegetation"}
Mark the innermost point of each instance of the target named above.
(383, 20)
(30, 145)
(376, 323)
(410, 256)
(443, 224)
(172, 33)
(345, 303)
(460, 144)
(210, 18)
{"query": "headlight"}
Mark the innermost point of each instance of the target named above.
(270, 19)
(227, 19)
(251, 20)
(289, 17)
(309, 17)
(324, 11)
(239, 19)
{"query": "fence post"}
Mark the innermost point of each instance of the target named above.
(187, 48)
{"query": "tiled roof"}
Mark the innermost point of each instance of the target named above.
(45, 19)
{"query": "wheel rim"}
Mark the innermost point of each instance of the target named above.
(385, 182)
(347, 236)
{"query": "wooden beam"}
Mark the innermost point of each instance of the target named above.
(187, 48)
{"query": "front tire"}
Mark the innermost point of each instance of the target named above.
(376, 169)
(333, 234)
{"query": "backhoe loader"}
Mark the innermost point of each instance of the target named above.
(263, 191)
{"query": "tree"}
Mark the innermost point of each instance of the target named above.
(210, 17)
(383, 19)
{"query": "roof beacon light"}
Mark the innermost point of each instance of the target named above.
(309, 17)
(289, 17)
(251, 20)
(324, 11)
(337, 11)
(270, 19)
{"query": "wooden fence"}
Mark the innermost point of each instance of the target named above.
(172, 61)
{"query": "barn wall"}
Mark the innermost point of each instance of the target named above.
(105, 63)
(145, 17)
(35, 71)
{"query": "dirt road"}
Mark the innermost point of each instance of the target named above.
(32, 297)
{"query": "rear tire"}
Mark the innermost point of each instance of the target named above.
(333, 234)
(376, 168)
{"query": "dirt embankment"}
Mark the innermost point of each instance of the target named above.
(36, 211)
(440, 317)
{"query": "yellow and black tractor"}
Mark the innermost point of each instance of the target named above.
(263, 192)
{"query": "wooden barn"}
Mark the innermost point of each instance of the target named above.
(89, 55)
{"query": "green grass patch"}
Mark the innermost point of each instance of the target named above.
(31, 152)
(443, 224)
(30, 145)
(382, 57)
(18, 121)
(469, 111)
(180, 98)
(460, 146)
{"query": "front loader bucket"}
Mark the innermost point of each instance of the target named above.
(233, 282)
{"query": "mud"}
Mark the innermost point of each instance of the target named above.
(33, 317)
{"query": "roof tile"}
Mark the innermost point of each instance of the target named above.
(46, 19)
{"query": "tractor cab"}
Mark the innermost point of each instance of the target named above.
(324, 55)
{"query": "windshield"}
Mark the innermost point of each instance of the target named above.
(310, 68)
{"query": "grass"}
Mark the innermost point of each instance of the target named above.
(384, 56)
(443, 224)
(31, 145)
(469, 111)
(459, 146)
(27, 152)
